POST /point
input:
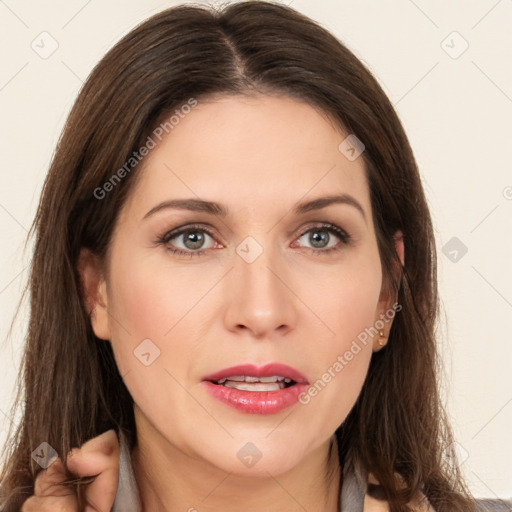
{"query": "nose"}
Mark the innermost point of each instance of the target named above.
(259, 297)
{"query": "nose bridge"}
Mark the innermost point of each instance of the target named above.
(258, 297)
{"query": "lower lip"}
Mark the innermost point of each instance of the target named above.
(256, 402)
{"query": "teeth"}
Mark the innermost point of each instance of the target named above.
(257, 386)
(236, 378)
(251, 379)
(270, 379)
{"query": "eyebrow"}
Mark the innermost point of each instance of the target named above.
(213, 208)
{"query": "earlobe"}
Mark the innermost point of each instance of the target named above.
(94, 293)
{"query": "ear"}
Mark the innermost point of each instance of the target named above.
(399, 246)
(387, 301)
(94, 291)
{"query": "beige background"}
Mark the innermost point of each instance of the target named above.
(456, 106)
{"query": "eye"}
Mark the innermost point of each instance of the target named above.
(321, 238)
(193, 240)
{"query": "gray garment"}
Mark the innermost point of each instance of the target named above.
(127, 497)
(353, 489)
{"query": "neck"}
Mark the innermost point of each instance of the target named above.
(170, 480)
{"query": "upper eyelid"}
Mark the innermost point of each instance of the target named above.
(172, 233)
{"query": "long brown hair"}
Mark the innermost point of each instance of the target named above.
(72, 387)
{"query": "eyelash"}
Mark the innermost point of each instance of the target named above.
(330, 228)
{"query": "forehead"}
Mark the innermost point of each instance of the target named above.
(251, 153)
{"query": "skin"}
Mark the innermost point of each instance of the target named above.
(98, 456)
(295, 304)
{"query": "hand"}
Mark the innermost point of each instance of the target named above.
(97, 458)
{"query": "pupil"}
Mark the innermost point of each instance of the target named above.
(317, 237)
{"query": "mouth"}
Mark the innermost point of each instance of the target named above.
(257, 390)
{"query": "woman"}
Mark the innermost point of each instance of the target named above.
(233, 289)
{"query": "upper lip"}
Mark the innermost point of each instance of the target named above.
(268, 370)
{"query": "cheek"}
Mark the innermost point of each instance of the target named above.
(151, 320)
(344, 300)
(157, 314)
(152, 299)
(347, 306)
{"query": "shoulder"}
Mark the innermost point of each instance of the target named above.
(419, 504)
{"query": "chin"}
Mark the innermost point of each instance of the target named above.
(257, 458)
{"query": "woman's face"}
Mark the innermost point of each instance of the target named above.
(265, 282)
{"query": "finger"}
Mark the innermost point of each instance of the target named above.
(100, 494)
(50, 504)
(95, 455)
(99, 456)
(48, 480)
